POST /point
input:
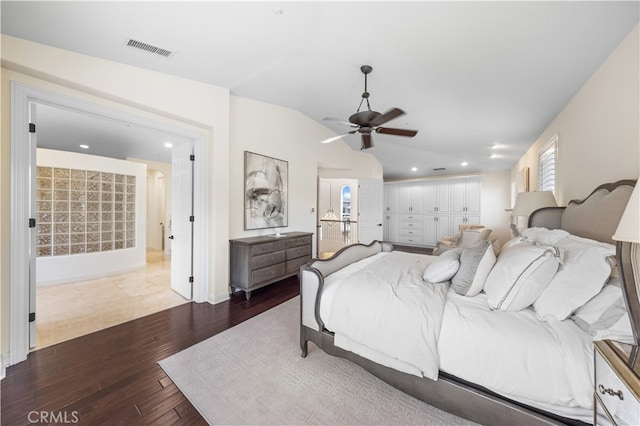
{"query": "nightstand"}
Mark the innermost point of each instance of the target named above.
(617, 383)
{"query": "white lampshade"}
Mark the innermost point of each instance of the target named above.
(629, 226)
(528, 202)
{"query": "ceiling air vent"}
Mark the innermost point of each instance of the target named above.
(439, 169)
(149, 48)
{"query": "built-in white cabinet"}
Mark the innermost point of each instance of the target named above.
(391, 230)
(465, 196)
(422, 212)
(411, 197)
(391, 199)
(436, 196)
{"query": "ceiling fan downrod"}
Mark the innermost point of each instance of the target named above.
(366, 69)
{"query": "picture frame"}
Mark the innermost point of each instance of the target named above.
(522, 180)
(266, 186)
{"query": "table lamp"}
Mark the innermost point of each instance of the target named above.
(628, 255)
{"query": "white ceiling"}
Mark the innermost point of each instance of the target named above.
(469, 74)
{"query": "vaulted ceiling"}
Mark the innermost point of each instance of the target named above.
(476, 79)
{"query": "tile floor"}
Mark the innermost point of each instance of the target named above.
(67, 311)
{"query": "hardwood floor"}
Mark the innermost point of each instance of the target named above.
(112, 376)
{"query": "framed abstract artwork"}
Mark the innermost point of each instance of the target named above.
(265, 191)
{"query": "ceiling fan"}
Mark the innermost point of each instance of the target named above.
(366, 122)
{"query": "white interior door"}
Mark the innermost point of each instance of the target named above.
(32, 224)
(370, 210)
(182, 220)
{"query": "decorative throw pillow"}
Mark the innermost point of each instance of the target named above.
(476, 262)
(515, 241)
(520, 275)
(545, 236)
(584, 272)
(605, 316)
(444, 267)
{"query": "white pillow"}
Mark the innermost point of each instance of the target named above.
(520, 275)
(545, 236)
(581, 276)
(605, 316)
(444, 267)
(476, 262)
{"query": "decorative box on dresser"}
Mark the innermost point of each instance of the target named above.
(259, 261)
(617, 383)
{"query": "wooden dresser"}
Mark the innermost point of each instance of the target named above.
(259, 261)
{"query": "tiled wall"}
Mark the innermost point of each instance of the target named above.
(83, 211)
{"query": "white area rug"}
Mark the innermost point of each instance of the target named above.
(253, 374)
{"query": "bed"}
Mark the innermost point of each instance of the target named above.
(483, 345)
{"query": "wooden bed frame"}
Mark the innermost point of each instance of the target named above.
(595, 217)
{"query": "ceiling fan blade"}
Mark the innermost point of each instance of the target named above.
(387, 116)
(397, 132)
(337, 120)
(335, 138)
(366, 141)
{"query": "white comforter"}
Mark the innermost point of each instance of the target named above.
(547, 365)
(381, 298)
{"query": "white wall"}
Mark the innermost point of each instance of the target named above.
(159, 169)
(598, 130)
(196, 107)
(63, 269)
(288, 135)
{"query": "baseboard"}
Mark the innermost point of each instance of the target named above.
(4, 362)
(44, 283)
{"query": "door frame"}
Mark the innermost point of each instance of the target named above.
(21, 153)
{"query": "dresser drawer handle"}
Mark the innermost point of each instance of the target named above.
(611, 392)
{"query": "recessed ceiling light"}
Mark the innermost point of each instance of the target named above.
(496, 146)
(494, 156)
(414, 169)
(83, 146)
(464, 164)
(168, 145)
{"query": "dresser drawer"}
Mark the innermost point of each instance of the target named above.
(284, 244)
(268, 259)
(411, 218)
(411, 225)
(258, 249)
(411, 233)
(298, 252)
(295, 264)
(303, 241)
(410, 239)
(618, 401)
(266, 274)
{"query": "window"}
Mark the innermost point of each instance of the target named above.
(547, 159)
(345, 203)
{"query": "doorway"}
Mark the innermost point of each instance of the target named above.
(25, 101)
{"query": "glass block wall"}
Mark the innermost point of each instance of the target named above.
(83, 211)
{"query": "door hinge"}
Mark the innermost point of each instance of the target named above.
(192, 218)
(32, 316)
(191, 279)
(32, 128)
(192, 157)
(32, 223)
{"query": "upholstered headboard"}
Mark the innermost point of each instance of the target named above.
(596, 217)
